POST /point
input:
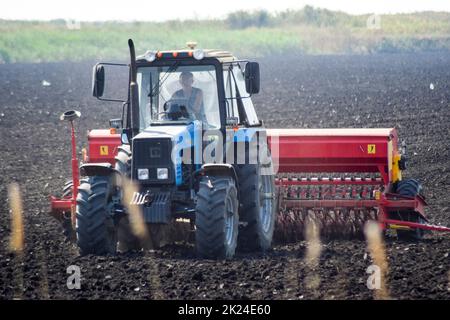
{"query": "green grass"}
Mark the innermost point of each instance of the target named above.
(309, 31)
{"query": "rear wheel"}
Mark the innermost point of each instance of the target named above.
(216, 218)
(95, 229)
(410, 188)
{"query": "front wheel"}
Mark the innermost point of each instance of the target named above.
(216, 218)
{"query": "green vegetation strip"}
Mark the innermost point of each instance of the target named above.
(258, 33)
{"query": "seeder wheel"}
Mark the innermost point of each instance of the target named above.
(410, 188)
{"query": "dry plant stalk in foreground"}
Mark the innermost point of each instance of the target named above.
(377, 251)
(139, 229)
(312, 233)
(137, 223)
(16, 242)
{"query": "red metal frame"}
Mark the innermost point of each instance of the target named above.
(61, 206)
(103, 146)
(333, 150)
(75, 174)
(386, 203)
(415, 225)
(327, 181)
(343, 151)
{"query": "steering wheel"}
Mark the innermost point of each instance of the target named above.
(176, 109)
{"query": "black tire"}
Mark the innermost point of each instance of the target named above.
(127, 240)
(67, 189)
(410, 188)
(256, 209)
(123, 160)
(66, 223)
(216, 218)
(415, 234)
(68, 230)
(96, 232)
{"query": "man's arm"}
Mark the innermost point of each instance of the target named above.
(174, 95)
(198, 101)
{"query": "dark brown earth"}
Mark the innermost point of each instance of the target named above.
(306, 92)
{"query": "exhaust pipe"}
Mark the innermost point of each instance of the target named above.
(133, 91)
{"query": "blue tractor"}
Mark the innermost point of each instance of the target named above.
(191, 141)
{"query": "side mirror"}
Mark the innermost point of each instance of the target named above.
(251, 74)
(124, 136)
(98, 80)
(115, 123)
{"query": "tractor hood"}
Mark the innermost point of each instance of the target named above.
(169, 141)
(174, 132)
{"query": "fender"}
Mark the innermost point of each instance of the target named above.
(97, 169)
(220, 169)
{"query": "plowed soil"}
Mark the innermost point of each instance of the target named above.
(410, 92)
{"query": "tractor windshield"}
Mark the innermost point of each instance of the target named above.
(178, 94)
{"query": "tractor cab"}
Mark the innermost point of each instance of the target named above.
(178, 94)
(186, 85)
(181, 86)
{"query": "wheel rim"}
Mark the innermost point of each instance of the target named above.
(229, 221)
(265, 202)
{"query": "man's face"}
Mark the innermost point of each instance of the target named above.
(186, 81)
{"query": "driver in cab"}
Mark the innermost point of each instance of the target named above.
(193, 95)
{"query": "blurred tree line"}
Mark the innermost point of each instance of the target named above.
(307, 16)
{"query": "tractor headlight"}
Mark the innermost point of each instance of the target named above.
(162, 173)
(150, 56)
(142, 174)
(199, 54)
